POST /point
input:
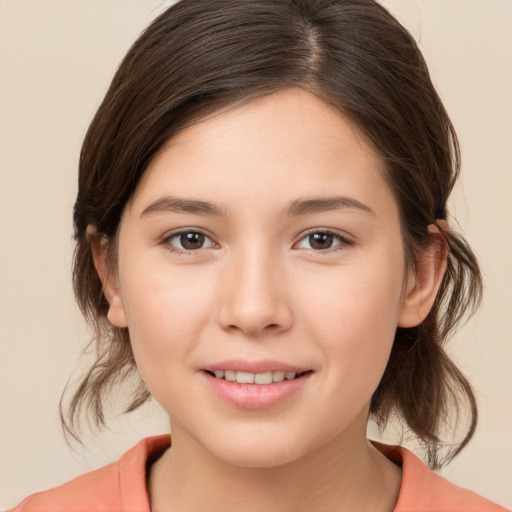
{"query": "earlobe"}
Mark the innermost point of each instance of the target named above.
(424, 280)
(99, 247)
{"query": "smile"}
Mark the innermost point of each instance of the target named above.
(254, 378)
(259, 389)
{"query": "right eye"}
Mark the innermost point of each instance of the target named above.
(188, 241)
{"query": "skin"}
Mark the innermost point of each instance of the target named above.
(258, 288)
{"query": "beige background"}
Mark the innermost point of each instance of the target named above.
(56, 60)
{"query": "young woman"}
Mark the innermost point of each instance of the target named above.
(262, 236)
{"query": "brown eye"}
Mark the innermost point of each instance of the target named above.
(323, 241)
(192, 241)
(189, 241)
(319, 241)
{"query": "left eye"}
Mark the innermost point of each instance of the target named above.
(322, 241)
(189, 241)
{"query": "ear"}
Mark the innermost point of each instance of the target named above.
(99, 247)
(424, 280)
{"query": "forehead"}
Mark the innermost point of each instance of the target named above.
(274, 148)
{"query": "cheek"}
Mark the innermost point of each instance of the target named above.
(355, 322)
(167, 310)
(360, 297)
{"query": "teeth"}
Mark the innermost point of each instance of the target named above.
(254, 378)
(229, 375)
(244, 377)
(263, 378)
(278, 376)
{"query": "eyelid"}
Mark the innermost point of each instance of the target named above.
(165, 240)
(345, 241)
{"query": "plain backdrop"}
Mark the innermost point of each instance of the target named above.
(56, 60)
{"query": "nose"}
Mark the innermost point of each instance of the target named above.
(254, 296)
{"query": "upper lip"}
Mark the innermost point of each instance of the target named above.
(261, 366)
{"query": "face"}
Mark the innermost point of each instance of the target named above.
(262, 243)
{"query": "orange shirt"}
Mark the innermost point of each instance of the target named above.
(121, 486)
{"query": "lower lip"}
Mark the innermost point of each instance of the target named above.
(256, 396)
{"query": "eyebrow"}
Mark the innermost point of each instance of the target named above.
(294, 208)
(181, 205)
(323, 204)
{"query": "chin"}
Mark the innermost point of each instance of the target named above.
(259, 450)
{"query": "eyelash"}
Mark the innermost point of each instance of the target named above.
(343, 241)
(167, 240)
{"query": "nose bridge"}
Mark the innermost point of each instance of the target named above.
(255, 298)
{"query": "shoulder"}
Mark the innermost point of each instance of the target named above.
(423, 490)
(92, 491)
(119, 486)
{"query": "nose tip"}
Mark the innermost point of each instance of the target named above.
(255, 302)
(255, 315)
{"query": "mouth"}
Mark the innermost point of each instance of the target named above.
(264, 378)
(268, 384)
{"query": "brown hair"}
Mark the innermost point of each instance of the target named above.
(198, 57)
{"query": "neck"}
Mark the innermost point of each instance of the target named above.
(347, 473)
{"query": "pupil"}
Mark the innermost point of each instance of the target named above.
(192, 240)
(320, 240)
